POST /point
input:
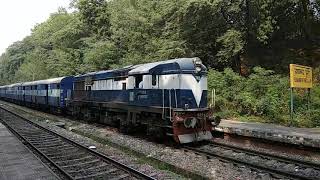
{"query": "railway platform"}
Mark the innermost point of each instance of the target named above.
(17, 162)
(299, 136)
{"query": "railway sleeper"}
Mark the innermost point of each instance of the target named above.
(102, 174)
(82, 164)
(104, 167)
(62, 155)
(73, 159)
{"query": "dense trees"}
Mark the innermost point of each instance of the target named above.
(102, 34)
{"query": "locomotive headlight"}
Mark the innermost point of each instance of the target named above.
(198, 69)
(197, 61)
(190, 122)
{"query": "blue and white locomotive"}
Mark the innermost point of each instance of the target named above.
(166, 98)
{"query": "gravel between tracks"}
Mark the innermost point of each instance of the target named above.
(189, 161)
(284, 151)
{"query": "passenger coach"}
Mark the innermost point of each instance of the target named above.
(43, 94)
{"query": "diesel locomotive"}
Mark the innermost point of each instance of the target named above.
(166, 98)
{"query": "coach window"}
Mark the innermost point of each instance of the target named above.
(124, 86)
(154, 80)
(88, 88)
(139, 82)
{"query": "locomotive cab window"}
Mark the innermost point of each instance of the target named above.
(138, 80)
(88, 88)
(154, 80)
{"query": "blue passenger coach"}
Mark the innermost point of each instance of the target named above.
(50, 93)
(44, 94)
(59, 90)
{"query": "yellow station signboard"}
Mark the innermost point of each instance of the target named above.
(300, 76)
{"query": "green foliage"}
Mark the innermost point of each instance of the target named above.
(34, 66)
(101, 55)
(95, 15)
(232, 43)
(102, 34)
(262, 94)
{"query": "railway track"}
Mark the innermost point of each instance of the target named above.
(260, 161)
(73, 160)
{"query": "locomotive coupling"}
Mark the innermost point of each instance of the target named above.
(190, 122)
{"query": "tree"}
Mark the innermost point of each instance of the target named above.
(103, 34)
(95, 14)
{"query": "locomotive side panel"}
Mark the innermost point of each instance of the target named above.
(168, 97)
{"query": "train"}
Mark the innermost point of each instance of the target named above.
(165, 99)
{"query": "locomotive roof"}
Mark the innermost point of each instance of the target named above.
(167, 67)
(106, 73)
(161, 67)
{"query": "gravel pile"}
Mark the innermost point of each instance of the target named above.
(188, 161)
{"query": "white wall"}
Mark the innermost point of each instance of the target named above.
(109, 84)
(131, 82)
(169, 81)
(41, 92)
(99, 85)
(117, 85)
(147, 82)
(188, 81)
(54, 92)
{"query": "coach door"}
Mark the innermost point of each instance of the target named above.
(34, 94)
(46, 95)
(23, 94)
(155, 81)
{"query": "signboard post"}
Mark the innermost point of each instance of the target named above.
(300, 77)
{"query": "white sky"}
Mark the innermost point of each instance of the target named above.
(18, 17)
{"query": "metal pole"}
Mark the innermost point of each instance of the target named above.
(291, 109)
(309, 92)
(214, 97)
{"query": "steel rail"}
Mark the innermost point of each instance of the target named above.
(101, 156)
(268, 155)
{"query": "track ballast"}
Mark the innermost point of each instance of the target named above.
(261, 161)
(72, 159)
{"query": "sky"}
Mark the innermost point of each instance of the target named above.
(18, 17)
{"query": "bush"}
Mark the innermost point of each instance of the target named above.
(262, 95)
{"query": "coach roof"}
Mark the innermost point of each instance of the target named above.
(47, 81)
